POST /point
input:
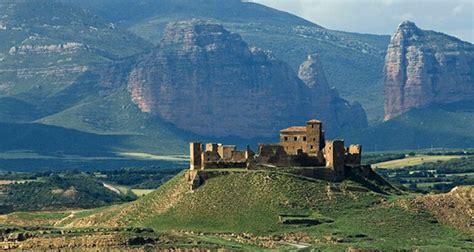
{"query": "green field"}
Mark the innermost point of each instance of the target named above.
(182, 158)
(411, 161)
(436, 174)
(142, 192)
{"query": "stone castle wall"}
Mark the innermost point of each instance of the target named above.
(299, 147)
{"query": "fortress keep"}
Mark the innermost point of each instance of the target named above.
(299, 147)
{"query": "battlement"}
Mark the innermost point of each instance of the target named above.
(218, 156)
(299, 146)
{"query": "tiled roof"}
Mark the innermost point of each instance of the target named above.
(314, 121)
(294, 129)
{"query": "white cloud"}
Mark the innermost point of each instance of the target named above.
(403, 17)
(454, 17)
(458, 9)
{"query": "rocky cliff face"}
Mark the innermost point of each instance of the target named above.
(326, 103)
(424, 68)
(209, 81)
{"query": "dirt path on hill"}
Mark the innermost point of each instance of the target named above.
(70, 216)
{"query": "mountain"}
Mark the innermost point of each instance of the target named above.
(46, 45)
(111, 71)
(423, 68)
(60, 66)
(353, 62)
(429, 93)
(207, 80)
(65, 67)
(437, 126)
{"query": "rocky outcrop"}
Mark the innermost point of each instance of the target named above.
(326, 103)
(207, 80)
(454, 208)
(424, 68)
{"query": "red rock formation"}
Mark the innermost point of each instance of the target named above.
(326, 104)
(424, 68)
(209, 81)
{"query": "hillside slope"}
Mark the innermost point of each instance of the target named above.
(453, 208)
(436, 126)
(62, 66)
(268, 208)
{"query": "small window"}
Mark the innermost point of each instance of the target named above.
(304, 139)
(286, 139)
(312, 125)
(312, 147)
(296, 138)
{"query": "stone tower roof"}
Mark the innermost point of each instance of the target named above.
(294, 129)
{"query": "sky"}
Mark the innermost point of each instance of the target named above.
(453, 17)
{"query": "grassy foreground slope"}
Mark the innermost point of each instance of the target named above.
(336, 215)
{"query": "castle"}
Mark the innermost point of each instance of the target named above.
(299, 147)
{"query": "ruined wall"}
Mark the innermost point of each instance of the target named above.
(239, 156)
(195, 156)
(354, 154)
(334, 153)
(225, 151)
(273, 154)
(316, 172)
(212, 147)
(208, 158)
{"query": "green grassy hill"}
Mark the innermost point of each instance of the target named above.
(273, 204)
(58, 192)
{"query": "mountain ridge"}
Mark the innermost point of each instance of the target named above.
(358, 74)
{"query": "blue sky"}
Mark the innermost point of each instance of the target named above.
(454, 17)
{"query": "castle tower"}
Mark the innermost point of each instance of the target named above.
(334, 153)
(314, 137)
(195, 151)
